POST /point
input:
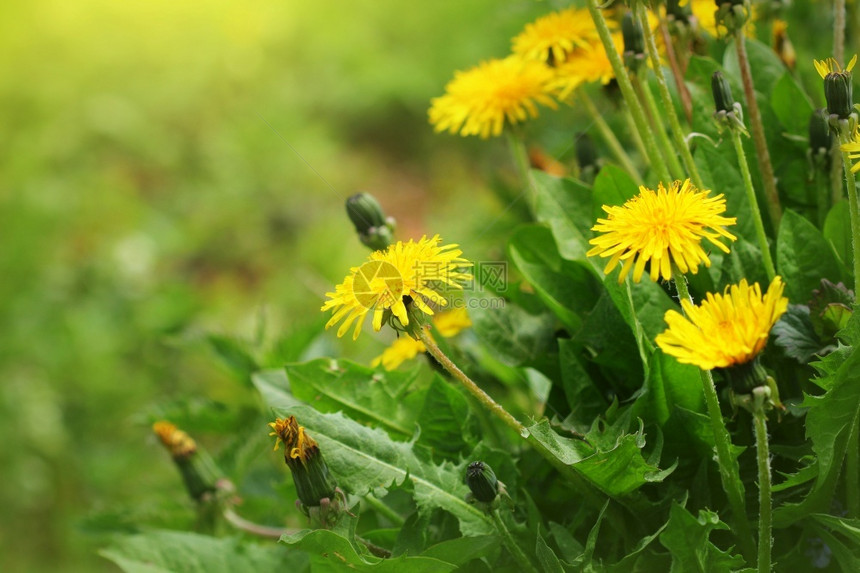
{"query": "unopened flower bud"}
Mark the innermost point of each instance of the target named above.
(732, 14)
(482, 482)
(314, 485)
(820, 135)
(374, 229)
(198, 471)
(634, 41)
(728, 112)
(745, 377)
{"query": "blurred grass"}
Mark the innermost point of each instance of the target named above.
(172, 168)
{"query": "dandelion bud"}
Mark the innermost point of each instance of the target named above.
(634, 41)
(722, 91)
(732, 14)
(728, 112)
(198, 471)
(820, 136)
(374, 229)
(746, 377)
(838, 91)
(482, 482)
(314, 485)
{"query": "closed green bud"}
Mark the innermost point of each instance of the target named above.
(675, 11)
(482, 482)
(314, 484)
(820, 136)
(838, 91)
(634, 41)
(746, 377)
(722, 91)
(374, 229)
(198, 471)
(731, 14)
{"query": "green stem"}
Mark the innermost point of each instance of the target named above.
(634, 133)
(243, 524)
(609, 136)
(852, 475)
(852, 210)
(683, 92)
(765, 539)
(655, 117)
(729, 473)
(837, 182)
(384, 510)
(657, 163)
(751, 198)
(839, 30)
(757, 127)
(494, 407)
(511, 544)
(517, 145)
(668, 105)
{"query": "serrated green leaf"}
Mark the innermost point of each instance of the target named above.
(795, 334)
(366, 459)
(330, 551)
(565, 205)
(445, 419)
(364, 394)
(686, 538)
(181, 552)
(516, 336)
(803, 257)
(829, 422)
(612, 464)
(567, 288)
(611, 187)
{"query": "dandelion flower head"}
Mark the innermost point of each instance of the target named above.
(726, 329)
(480, 101)
(412, 272)
(663, 227)
(552, 37)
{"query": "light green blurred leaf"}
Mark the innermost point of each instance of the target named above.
(565, 205)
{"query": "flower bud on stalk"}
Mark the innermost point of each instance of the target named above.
(820, 138)
(319, 496)
(732, 14)
(838, 91)
(484, 487)
(374, 229)
(634, 42)
(198, 471)
(728, 113)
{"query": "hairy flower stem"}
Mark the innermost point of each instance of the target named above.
(852, 210)
(751, 198)
(729, 473)
(640, 84)
(609, 137)
(683, 92)
(765, 540)
(243, 524)
(757, 127)
(511, 544)
(839, 30)
(494, 407)
(634, 133)
(666, 97)
(657, 163)
(837, 182)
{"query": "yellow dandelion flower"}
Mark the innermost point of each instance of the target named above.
(582, 67)
(297, 444)
(726, 329)
(448, 324)
(852, 147)
(664, 227)
(451, 322)
(481, 100)
(829, 66)
(403, 349)
(412, 272)
(552, 37)
(177, 442)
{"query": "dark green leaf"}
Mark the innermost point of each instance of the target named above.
(795, 334)
(791, 105)
(445, 419)
(686, 538)
(464, 549)
(565, 205)
(546, 557)
(803, 257)
(611, 187)
(516, 336)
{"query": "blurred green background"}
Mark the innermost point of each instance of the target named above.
(173, 169)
